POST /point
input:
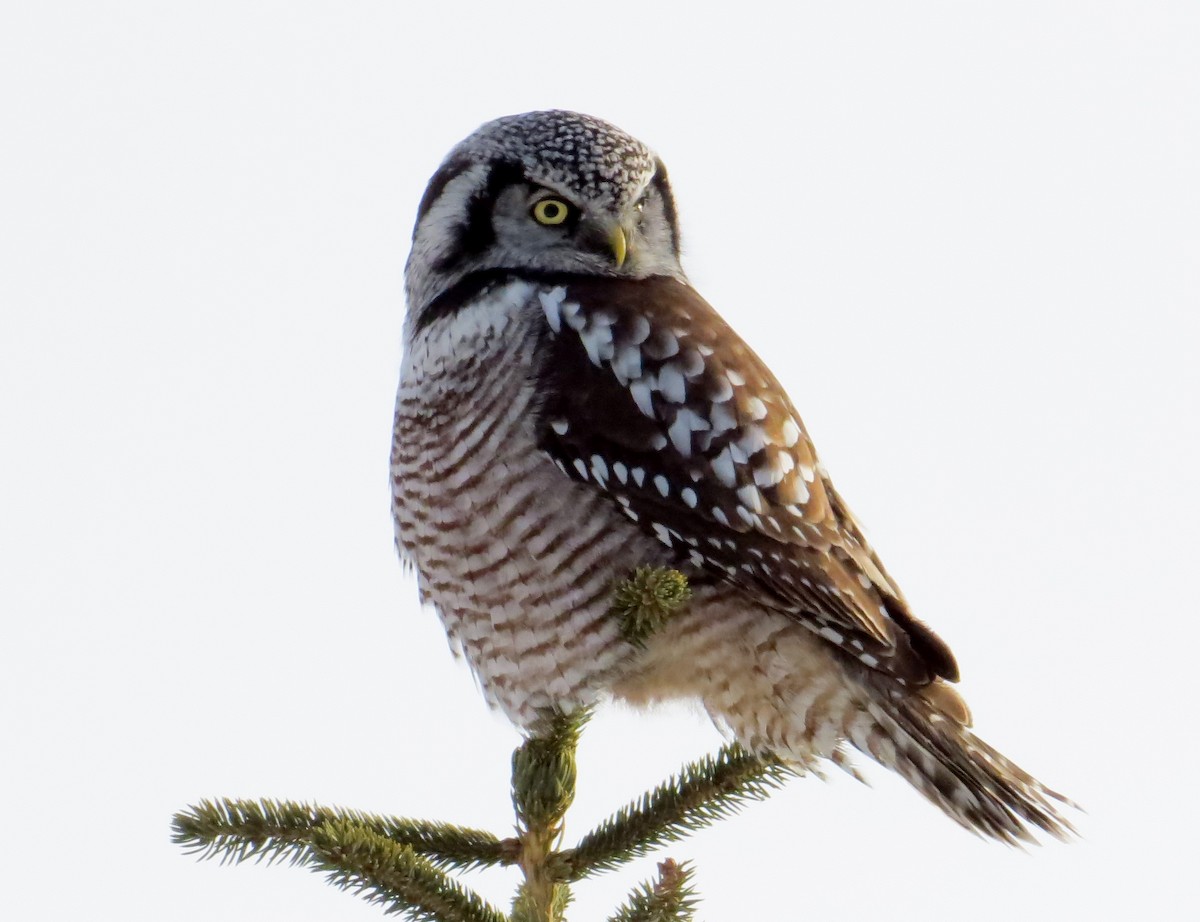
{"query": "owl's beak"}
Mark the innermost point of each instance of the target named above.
(616, 242)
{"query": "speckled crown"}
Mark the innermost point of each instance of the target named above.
(582, 153)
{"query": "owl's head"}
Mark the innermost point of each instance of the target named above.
(543, 192)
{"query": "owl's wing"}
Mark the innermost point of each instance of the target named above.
(647, 394)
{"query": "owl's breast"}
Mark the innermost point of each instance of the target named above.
(518, 559)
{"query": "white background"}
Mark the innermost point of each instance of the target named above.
(965, 235)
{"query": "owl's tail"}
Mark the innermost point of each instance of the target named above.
(971, 782)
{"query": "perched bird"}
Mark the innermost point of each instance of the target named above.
(570, 408)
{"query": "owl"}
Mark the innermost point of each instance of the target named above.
(570, 409)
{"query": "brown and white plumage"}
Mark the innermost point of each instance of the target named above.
(570, 408)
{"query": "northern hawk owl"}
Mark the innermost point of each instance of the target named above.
(570, 409)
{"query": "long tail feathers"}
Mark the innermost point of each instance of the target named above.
(968, 779)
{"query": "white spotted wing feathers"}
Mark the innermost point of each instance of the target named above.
(651, 397)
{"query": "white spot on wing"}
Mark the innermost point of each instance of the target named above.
(671, 383)
(689, 496)
(573, 314)
(692, 363)
(789, 432)
(560, 426)
(641, 396)
(599, 468)
(639, 330)
(662, 346)
(800, 489)
(686, 422)
(681, 434)
(627, 364)
(767, 475)
(719, 389)
(753, 439)
(722, 417)
(597, 339)
(723, 467)
(756, 409)
(551, 304)
(660, 482)
(752, 499)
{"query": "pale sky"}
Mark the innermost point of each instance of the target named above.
(965, 236)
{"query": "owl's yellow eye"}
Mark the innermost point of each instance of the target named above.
(551, 211)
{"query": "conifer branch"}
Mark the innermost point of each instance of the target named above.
(274, 830)
(702, 793)
(647, 600)
(401, 863)
(543, 787)
(392, 875)
(543, 769)
(670, 898)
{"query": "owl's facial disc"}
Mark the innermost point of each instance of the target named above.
(544, 192)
